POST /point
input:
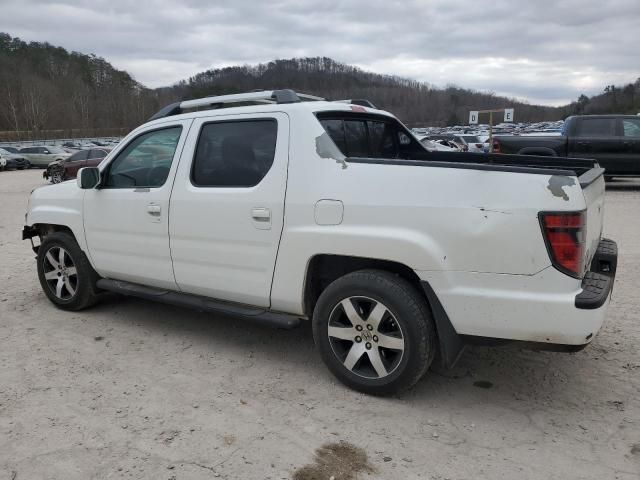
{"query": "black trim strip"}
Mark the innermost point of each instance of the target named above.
(203, 304)
(466, 166)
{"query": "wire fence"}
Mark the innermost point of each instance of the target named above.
(42, 136)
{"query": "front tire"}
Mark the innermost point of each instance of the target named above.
(374, 331)
(57, 176)
(66, 276)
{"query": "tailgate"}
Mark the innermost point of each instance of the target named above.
(592, 183)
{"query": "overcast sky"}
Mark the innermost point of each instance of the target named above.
(539, 50)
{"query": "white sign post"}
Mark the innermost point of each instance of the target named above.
(508, 117)
(508, 114)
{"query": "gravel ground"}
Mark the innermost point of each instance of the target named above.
(132, 389)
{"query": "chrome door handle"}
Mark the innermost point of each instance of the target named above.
(261, 218)
(154, 209)
(261, 214)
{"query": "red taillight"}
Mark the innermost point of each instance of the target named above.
(564, 234)
(496, 146)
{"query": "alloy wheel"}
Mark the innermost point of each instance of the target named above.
(56, 177)
(366, 337)
(60, 273)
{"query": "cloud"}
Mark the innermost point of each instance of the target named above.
(544, 51)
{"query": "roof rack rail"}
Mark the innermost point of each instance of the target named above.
(264, 96)
(358, 101)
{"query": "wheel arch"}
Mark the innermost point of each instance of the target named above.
(41, 230)
(322, 269)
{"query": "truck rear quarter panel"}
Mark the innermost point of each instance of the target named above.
(427, 218)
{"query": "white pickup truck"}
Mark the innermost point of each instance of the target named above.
(290, 207)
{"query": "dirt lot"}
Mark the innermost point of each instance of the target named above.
(131, 389)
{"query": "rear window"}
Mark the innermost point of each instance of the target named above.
(371, 136)
(597, 127)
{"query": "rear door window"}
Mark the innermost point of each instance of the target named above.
(631, 127)
(234, 153)
(78, 156)
(97, 154)
(597, 127)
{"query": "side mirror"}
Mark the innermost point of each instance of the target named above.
(88, 178)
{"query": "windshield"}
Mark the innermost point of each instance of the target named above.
(56, 150)
(4, 152)
(471, 139)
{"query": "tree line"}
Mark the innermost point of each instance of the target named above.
(43, 87)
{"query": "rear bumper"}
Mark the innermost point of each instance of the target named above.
(597, 283)
(546, 308)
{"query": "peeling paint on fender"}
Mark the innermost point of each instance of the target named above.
(327, 149)
(557, 184)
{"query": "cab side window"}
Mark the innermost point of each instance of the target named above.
(597, 127)
(364, 136)
(631, 127)
(145, 161)
(78, 156)
(234, 154)
(97, 154)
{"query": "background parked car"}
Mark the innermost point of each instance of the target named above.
(66, 169)
(11, 149)
(472, 142)
(433, 146)
(43, 156)
(9, 160)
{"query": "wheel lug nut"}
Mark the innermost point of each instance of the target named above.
(369, 327)
(375, 338)
(358, 339)
(368, 345)
(359, 328)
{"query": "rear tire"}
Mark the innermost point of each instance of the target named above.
(374, 331)
(66, 276)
